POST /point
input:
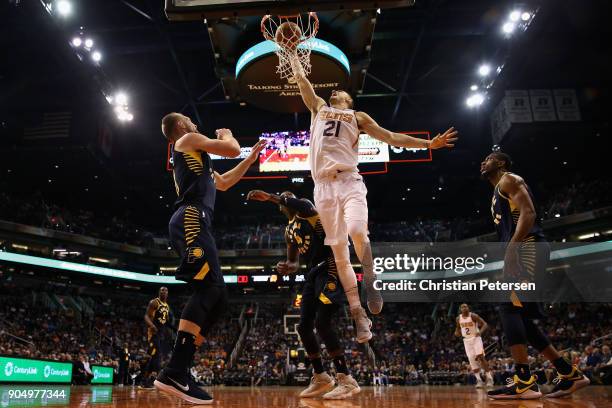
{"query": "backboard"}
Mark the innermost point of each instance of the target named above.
(198, 10)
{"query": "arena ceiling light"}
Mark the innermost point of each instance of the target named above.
(508, 27)
(63, 7)
(475, 100)
(76, 41)
(484, 70)
(121, 98)
(515, 15)
(96, 56)
(89, 43)
(474, 88)
(526, 16)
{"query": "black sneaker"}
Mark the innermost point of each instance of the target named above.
(147, 384)
(183, 386)
(567, 384)
(517, 389)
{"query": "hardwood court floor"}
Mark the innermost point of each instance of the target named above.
(285, 397)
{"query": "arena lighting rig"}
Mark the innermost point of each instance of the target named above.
(84, 48)
(517, 20)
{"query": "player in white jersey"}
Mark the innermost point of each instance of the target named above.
(471, 327)
(340, 194)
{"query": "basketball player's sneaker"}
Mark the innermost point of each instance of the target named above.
(347, 387)
(517, 389)
(567, 384)
(146, 384)
(319, 385)
(362, 324)
(181, 385)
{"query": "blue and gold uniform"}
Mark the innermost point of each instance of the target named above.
(160, 318)
(505, 217)
(322, 281)
(190, 225)
(516, 316)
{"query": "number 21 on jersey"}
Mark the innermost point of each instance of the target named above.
(332, 128)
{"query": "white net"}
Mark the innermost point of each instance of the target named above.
(293, 36)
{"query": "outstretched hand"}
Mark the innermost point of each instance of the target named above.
(446, 139)
(258, 195)
(256, 149)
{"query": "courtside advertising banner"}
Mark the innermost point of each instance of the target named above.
(27, 370)
(102, 375)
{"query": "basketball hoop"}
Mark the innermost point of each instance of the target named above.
(292, 36)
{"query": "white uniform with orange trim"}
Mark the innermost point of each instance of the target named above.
(339, 193)
(471, 342)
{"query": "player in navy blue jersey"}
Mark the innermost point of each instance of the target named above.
(196, 183)
(527, 253)
(322, 293)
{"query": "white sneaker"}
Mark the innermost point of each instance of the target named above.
(319, 385)
(347, 387)
(479, 382)
(490, 382)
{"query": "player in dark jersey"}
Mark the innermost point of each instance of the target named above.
(157, 319)
(190, 235)
(527, 253)
(322, 294)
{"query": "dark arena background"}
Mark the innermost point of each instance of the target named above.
(87, 192)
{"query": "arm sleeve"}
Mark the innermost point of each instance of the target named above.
(302, 206)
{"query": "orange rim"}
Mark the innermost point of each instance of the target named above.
(315, 26)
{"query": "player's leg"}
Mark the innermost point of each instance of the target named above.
(153, 364)
(481, 359)
(355, 207)
(321, 381)
(478, 350)
(569, 378)
(346, 384)
(194, 242)
(534, 257)
(336, 235)
(524, 385)
(474, 364)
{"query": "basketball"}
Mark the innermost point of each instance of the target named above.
(288, 35)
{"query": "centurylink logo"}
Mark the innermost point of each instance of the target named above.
(47, 371)
(8, 369)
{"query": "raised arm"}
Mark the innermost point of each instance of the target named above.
(369, 126)
(302, 206)
(225, 145)
(310, 98)
(480, 322)
(228, 179)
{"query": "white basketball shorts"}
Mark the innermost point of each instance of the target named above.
(341, 199)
